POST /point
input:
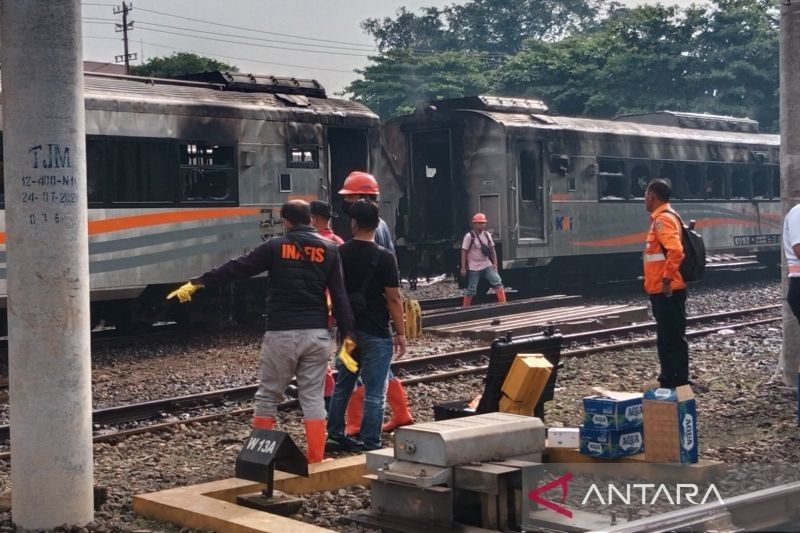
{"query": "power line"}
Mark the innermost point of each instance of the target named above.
(216, 23)
(228, 41)
(146, 23)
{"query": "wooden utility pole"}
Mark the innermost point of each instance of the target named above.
(790, 165)
(124, 27)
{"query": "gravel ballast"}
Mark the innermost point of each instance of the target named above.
(745, 415)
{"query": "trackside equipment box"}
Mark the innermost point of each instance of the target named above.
(613, 410)
(611, 443)
(670, 425)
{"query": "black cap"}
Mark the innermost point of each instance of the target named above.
(323, 209)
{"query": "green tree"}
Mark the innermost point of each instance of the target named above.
(179, 63)
(399, 80)
(719, 58)
(456, 51)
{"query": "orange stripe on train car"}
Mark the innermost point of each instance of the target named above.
(97, 227)
(640, 237)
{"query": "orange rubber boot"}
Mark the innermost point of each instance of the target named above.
(355, 412)
(398, 401)
(467, 301)
(315, 439)
(263, 422)
(500, 292)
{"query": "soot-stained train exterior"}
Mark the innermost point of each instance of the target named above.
(564, 196)
(183, 175)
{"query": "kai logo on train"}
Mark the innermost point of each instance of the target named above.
(566, 223)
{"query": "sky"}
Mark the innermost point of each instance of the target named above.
(319, 39)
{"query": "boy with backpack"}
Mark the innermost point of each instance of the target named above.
(479, 259)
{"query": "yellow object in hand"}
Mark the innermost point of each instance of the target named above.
(184, 293)
(345, 355)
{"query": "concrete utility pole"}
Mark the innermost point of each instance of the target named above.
(790, 165)
(47, 263)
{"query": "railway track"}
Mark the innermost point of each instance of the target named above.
(118, 422)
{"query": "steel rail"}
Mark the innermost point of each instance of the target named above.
(761, 510)
(430, 364)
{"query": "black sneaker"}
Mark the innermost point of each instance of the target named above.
(341, 443)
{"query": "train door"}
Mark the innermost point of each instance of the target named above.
(431, 189)
(348, 150)
(530, 193)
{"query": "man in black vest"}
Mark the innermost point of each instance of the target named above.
(301, 265)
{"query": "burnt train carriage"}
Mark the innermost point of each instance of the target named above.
(564, 196)
(183, 175)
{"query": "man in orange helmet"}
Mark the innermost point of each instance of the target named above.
(479, 259)
(663, 254)
(363, 186)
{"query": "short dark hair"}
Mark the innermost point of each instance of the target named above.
(296, 212)
(365, 214)
(660, 188)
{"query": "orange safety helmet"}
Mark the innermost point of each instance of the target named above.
(478, 218)
(360, 183)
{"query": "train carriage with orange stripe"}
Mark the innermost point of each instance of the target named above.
(563, 195)
(183, 175)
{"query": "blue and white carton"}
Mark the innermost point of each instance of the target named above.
(613, 410)
(670, 425)
(611, 443)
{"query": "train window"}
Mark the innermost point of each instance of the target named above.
(775, 178)
(2, 173)
(741, 187)
(206, 155)
(611, 179)
(640, 176)
(142, 171)
(668, 171)
(692, 186)
(285, 183)
(96, 168)
(715, 182)
(208, 173)
(529, 176)
(302, 156)
(761, 183)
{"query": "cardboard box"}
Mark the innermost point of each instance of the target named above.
(527, 378)
(613, 410)
(507, 405)
(563, 438)
(611, 443)
(670, 425)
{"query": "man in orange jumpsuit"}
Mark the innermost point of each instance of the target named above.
(663, 254)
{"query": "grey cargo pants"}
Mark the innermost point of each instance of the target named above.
(298, 352)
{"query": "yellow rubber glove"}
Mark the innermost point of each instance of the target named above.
(184, 293)
(345, 355)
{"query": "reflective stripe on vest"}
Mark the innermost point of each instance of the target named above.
(648, 258)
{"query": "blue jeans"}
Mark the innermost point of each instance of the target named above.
(374, 358)
(474, 276)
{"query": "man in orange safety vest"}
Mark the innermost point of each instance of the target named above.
(663, 254)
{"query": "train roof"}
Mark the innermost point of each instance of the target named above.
(703, 121)
(101, 89)
(509, 113)
(618, 127)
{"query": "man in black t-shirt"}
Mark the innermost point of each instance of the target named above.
(370, 276)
